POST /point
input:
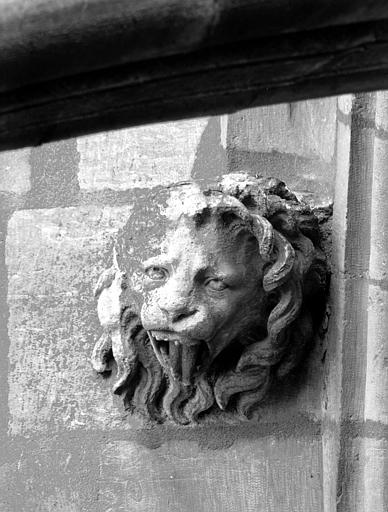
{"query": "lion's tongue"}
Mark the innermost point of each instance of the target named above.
(175, 353)
(183, 360)
(189, 362)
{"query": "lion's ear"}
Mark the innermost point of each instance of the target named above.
(108, 276)
(102, 353)
(104, 281)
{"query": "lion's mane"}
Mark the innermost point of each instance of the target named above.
(295, 276)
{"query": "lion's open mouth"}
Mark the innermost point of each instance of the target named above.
(182, 357)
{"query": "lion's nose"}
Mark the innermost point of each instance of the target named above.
(181, 314)
(177, 314)
(177, 310)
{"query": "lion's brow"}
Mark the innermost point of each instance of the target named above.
(159, 260)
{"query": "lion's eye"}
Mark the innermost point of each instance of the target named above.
(216, 284)
(156, 273)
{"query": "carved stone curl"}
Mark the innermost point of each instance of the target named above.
(229, 304)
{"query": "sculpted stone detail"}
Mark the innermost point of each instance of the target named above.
(230, 303)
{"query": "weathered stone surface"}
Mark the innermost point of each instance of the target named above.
(54, 175)
(376, 407)
(145, 156)
(54, 258)
(355, 451)
(89, 472)
(341, 182)
(372, 458)
(15, 171)
(264, 475)
(376, 380)
(292, 141)
(70, 449)
(50, 474)
(306, 128)
(230, 304)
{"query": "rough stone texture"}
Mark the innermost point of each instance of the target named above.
(180, 477)
(54, 258)
(294, 142)
(376, 385)
(66, 444)
(273, 128)
(15, 171)
(50, 474)
(377, 356)
(147, 156)
(357, 381)
(331, 399)
(54, 169)
(172, 295)
(105, 474)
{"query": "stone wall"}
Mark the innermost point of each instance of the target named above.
(66, 442)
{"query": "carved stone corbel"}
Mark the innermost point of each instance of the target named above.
(231, 302)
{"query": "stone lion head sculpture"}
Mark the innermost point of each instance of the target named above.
(229, 304)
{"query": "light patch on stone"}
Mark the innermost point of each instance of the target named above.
(15, 171)
(146, 156)
(345, 103)
(188, 199)
(224, 130)
(185, 199)
(54, 258)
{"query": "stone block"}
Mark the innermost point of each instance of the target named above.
(264, 475)
(52, 474)
(340, 212)
(373, 459)
(15, 171)
(294, 142)
(54, 258)
(378, 265)
(306, 129)
(144, 157)
(376, 385)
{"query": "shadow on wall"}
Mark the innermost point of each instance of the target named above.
(244, 143)
(211, 157)
(310, 179)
